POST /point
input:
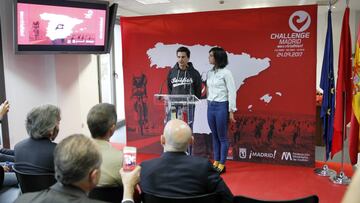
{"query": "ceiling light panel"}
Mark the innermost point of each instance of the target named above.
(147, 2)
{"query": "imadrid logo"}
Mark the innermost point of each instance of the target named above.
(299, 21)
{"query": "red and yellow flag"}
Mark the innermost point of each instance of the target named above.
(354, 145)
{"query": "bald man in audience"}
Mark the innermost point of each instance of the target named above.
(77, 163)
(176, 174)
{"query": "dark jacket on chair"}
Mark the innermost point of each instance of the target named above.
(39, 154)
(178, 175)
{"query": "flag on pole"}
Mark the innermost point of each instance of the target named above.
(327, 84)
(343, 86)
(354, 137)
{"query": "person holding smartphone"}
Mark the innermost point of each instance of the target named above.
(221, 97)
(129, 179)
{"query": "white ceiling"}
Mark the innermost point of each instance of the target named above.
(134, 8)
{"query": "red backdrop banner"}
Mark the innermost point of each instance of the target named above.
(272, 56)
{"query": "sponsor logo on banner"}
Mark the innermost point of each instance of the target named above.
(291, 44)
(242, 153)
(286, 156)
(295, 156)
(270, 155)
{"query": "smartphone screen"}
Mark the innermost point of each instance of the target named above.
(129, 161)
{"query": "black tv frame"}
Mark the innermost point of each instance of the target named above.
(63, 49)
(112, 19)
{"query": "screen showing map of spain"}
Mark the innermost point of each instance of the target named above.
(57, 25)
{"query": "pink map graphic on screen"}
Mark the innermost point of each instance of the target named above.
(57, 25)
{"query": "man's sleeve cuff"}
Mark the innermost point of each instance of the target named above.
(127, 201)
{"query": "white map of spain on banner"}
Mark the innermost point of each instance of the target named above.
(241, 65)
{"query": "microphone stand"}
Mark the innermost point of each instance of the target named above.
(160, 97)
(324, 170)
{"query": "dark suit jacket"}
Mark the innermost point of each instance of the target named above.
(57, 193)
(6, 155)
(35, 156)
(178, 175)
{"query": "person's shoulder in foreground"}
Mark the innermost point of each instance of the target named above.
(352, 194)
(57, 193)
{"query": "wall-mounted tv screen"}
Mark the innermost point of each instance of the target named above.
(54, 26)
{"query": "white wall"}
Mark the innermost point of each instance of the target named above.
(68, 81)
(119, 79)
(337, 18)
(77, 91)
(71, 81)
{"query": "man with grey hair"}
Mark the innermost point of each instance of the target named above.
(77, 170)
(35, 154)
(176, 174)
(101, 121)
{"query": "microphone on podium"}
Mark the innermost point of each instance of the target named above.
(161, 87)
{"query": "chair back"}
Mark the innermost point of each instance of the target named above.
(34, 182)
(206, 198)
(107, 194)
(309, 199)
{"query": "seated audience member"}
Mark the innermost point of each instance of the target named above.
(35, 154)
(5, 154)
(101, 121)
(352, 194)
(177, 175)
(77, 170)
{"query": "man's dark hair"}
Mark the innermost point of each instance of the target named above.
(221, 59)
(100, 119)
(184, 49)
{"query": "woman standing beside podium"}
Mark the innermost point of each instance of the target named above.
(221, 96)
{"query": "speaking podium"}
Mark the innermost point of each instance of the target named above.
(178, 106)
